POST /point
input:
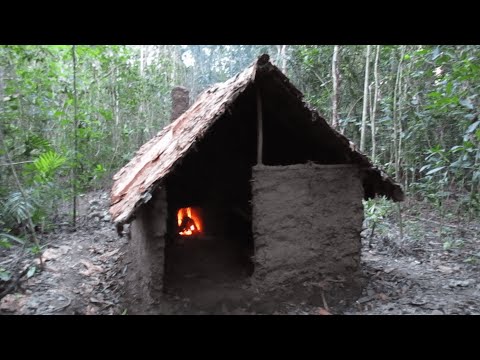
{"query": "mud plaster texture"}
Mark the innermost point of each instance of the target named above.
(146, 256)
(307, 221)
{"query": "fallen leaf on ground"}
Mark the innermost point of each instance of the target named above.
(12, 302)
(91, 310)
(90, 268)
(58, 268)
(111, 253)
(95, 250)
(53, 253)
(462, 283)
(417, 302)
(382, 296)
(322, 311)
(50, 254)
(365, 299)
(86, 289)
(445, 269)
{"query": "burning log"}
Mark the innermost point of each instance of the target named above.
(188, 221)
(188, 227)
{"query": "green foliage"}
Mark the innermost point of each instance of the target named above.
(375, 210)
(35, 144)
(35, 250)
(98, 172)
(449, 236)
(451, 243)
(41, 201)
(4, 274)
(4, 240)
(5, 243)
(474, 260)
(45, 166)
(16, 209)
(31, 271)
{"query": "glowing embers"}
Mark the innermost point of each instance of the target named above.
(189, 221)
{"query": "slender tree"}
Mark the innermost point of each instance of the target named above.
(395, 116)
(336, 85)
(374, 105)
(282, 57)
(365, 100)
(75, 138)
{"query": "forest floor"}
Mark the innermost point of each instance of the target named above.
(81, 273)
(433, 269)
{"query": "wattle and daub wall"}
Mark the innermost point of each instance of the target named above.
(306, 224)
(146, 256)
(307, 221)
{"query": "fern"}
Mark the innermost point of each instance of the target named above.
(5, 237)
(16, 209)
(46, 165)
(35, 144)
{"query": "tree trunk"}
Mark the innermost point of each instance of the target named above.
(75, 137)
(365, 101)
(336, 84)
(117, 107)
(401, 102)
(282, 58)
(396, 126)
(1, 83)
(374, 107)
(2, 174)
(174, 56)
(141, 109)
(142, 57)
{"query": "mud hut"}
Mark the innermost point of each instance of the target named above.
(249, 187)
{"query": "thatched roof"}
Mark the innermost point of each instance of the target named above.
(135, 182)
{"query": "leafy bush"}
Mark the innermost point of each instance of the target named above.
(375, 211)
(41, 196)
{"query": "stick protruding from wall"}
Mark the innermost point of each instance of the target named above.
(259, 128)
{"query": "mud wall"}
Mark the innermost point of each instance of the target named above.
(307, 221)
(146, 255)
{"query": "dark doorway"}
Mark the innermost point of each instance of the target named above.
(215, 243)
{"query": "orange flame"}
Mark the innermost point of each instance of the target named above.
(189, 221)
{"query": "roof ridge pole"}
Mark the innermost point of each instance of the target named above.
(259, 127)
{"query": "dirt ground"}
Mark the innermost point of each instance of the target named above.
(426, 272)
(82, 273)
